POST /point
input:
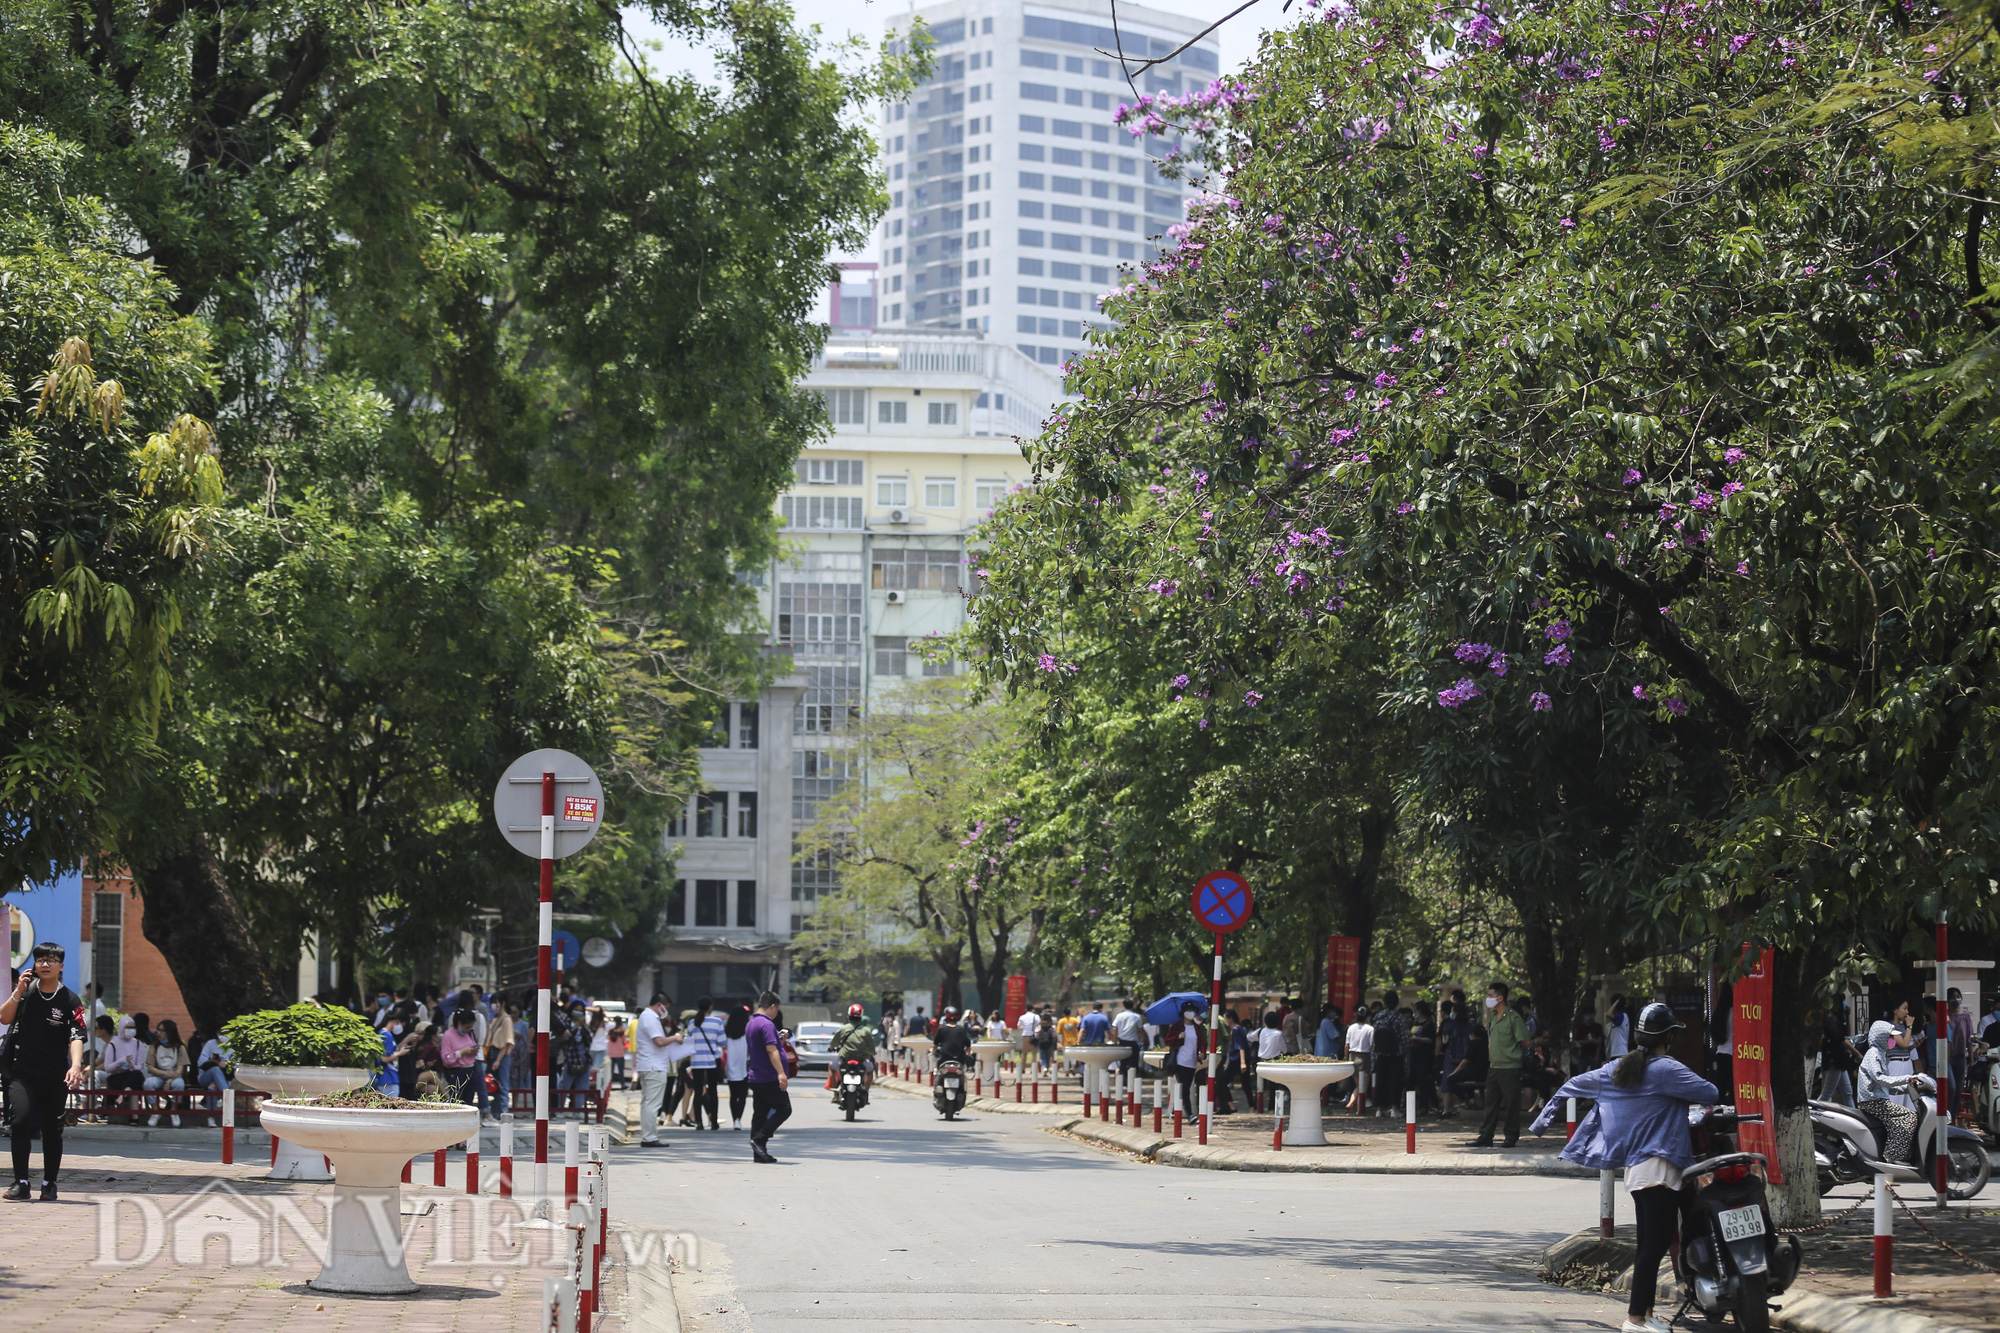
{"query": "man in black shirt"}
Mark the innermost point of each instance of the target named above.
(953, 1040)
(44, 1058)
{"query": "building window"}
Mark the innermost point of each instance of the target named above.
(711, 902)
(1067, 157)
(821, 618)
(940, 492)
(892, 490)
(746, 902)
(1030, 208)
(1031, 180)
(746, 726)
(1066, 272)
(816, 776)
(1031, 152)
(107, 945)
(718, 731)
(943, 414)
(1033, 125)
(939, 666)
(677, 822)
(677, 904)
(1065, 213)
(812, 877)
(1038, 59)
(746, 814)
(847, 407)
(891, 651)
(835, 471)
(988, 492)
(917, 569)
(711, 814)
(832, 699)
(1038, 92)
(839, 513)
(892, 413)
(1031, 238)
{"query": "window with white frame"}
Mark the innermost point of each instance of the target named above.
(892, 490)
(940, 492)
(892, 412)
(987, 492)
(847, 407)
(944, 414)
(829, 471)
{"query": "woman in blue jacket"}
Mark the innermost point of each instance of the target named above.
(1639, 1122)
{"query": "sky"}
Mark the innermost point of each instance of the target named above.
(838, 18)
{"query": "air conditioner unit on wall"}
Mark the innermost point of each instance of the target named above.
(897, 597)
(899, 516)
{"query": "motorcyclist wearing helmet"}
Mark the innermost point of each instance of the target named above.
(954, 1038)
(854, 1040)
(1639, 1122)
(1878, 1088)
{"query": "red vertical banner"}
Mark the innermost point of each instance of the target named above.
(1343, 974)
(1017, 1000)
(1750, 1031)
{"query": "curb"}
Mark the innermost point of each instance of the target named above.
(1178, 1152)
(649, 1305)
(1798, 1311)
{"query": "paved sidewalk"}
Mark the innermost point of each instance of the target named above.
(175, 1240)
(1363, 1144)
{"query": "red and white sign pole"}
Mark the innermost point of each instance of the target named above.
(545, 944)
(1941, 1064)
(1214, 1030)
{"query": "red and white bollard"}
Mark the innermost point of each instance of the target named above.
(1885, 1238)
(1607, 1200)
(1570, 1132)
(1410, 1122)
(229, 1126)
(406, 1170)
(1177, 1119)
(1277, 1119)
(569, 1163)
(437, 1168)
(1159, 1090)
(472, 1162)
(506, 1159)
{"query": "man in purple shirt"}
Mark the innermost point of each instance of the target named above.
(771, 1105)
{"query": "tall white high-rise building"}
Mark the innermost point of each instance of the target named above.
(1014, 196)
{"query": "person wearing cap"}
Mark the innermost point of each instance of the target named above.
(1638, 1121)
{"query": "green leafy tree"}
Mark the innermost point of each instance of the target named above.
(109, 489)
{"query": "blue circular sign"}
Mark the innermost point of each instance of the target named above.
(1222, 901)
(563, 951)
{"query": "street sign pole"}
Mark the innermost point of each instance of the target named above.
(1222, 902)
(545, 941)
(1941, 1066)
(537, 821)
(1214, 1031)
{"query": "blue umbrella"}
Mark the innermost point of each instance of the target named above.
(1167, 1009)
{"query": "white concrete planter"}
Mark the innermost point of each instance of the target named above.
(1097, 1061)
(1302, 1083)
(988, 1053)
(369, 1148)
(922, 1046)
(303, 1082)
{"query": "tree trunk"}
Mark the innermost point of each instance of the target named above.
(199, 927)
(951, 969)
(1066, 992)
(1356, 907)
(1796, 1202)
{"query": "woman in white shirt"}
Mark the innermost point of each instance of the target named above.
(996, 1026)
(1617, 1030)
(736, 1062)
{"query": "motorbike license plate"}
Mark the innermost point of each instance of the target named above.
(953, 1083)
(1741, 1223)
(852, 1080)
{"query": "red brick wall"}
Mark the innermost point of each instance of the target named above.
(147, 985)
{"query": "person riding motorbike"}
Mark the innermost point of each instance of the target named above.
(853, 1040)
(1877, 1086)
(1639, 1122)
(954, 1038)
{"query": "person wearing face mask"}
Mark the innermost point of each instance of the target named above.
(1880, 1088)
(1187, 1054)
(125, 1067)
(1506, 1035)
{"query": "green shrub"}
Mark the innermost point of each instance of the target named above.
(305, 1034)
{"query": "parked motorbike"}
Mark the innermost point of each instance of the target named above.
(1984, 1076)
(1732, 1259)
(1847, 1147)
(850, 1092)
(949, 1094)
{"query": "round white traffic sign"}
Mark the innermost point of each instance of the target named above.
(597, 951)
(577, 801)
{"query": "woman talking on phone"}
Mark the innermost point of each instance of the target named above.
(42, 1058)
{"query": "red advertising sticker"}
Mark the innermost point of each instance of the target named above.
(1750, 1033)
(579, 809)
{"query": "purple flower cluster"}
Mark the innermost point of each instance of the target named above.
(1540, 701)
(1251, 698)
(1463, 692)
(1165, 587)
(1633, 476)
(1557, 656)
(1559, 631)
(1474, 654)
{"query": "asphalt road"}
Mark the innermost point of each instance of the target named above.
(909, 1223)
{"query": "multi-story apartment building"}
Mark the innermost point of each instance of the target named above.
(926, 429)
(1014, 197)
